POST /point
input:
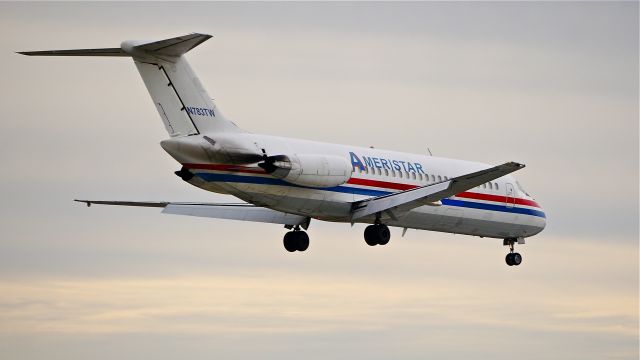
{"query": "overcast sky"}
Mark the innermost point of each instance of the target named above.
(552, 85)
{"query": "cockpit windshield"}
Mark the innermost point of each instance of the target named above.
(522, 189)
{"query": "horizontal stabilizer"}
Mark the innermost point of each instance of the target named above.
(77, 52)
(175, 46)
(243, 212)
(172, 47)
(182, 103)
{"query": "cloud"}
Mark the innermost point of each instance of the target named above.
(270, 301)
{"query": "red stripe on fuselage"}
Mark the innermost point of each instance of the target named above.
(382, 184)
(497, 198)
(467, 195)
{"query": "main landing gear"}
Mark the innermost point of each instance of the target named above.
(296, 240)
(377, 234)
(513, 258)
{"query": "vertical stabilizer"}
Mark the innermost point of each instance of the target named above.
(182, 103)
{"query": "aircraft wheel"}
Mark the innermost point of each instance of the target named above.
(377, 234)
(384, 235)
(302, 240)
(289, 241)
(513, 259)
(516, 259)
(369, 235)
(509, 259)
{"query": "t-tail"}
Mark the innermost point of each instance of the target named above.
(182, 103)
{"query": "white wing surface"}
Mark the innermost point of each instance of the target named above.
(409, 199)
(243, 212)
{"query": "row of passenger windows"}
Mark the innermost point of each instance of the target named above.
(425, 178)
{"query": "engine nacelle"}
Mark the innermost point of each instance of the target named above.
(319, 171)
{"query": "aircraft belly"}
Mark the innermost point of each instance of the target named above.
(336, 206)
(476, 222)
(297, 200)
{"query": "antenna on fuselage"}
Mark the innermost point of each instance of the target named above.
(429, 150)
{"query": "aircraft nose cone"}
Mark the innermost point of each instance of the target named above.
(540, 222)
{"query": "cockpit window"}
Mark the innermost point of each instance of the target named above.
(522, 189)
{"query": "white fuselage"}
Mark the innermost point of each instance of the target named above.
(499, 209)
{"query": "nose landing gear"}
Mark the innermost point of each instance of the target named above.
(513, 258)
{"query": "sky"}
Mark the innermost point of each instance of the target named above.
(551, 84)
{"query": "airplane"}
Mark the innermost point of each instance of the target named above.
(291, 181)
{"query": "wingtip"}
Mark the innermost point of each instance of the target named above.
(87, 202)
(208, 36)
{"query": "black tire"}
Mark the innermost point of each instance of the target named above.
(516, 259)
(302, 240)
(370, 235)
(384, 235)
(289, 241)
(509, 259)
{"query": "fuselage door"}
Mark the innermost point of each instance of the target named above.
(510, 195)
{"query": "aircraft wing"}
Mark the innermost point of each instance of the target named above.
(409, 199)
(244, 212)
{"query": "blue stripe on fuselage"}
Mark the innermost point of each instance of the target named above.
(214, 177)
(492, 207)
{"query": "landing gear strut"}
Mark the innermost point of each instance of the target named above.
(377, 234)
(296, 240)
(513, 258)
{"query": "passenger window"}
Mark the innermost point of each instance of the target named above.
(497, 187)
(393, 173)
(439, 178)
(386, 172)
(400, 174)
(413, 176)
(433, 178)
(491, 186)
(420, 177)
(446, 178)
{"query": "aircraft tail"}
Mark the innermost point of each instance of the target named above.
(182, 103)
